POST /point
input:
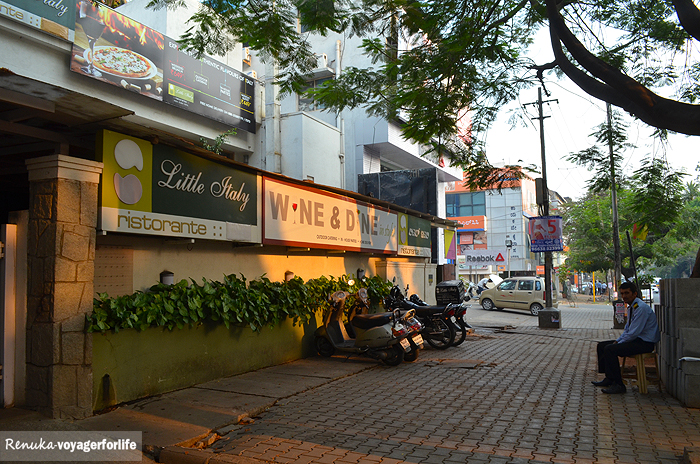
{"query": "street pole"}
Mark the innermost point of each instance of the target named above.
(613, 199)
(545, 204)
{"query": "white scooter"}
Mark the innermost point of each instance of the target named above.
(383, 336)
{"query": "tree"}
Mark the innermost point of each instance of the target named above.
(597, 157)
(668, 245)
(471, 54)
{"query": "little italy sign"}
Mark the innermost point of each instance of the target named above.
(158, 190)
(298, 216)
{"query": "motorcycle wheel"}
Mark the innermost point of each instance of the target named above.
(411, 356)
(460, 333)
(324, 347)
(395, 356)
(440, 334)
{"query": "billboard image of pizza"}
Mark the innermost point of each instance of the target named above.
(117, 50)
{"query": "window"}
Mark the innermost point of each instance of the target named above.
(538, 286)
(507, 285)
(466, 204)
(525, 285)
(308, 103)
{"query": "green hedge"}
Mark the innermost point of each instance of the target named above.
(234, 301)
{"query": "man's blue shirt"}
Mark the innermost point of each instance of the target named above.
(642, 324)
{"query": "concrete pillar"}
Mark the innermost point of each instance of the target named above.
(61, 252)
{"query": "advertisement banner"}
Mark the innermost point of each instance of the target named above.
(414, 236)
(119, 51)
(55, 17)
(546, 234)
(158, 190)
(208, 87)
(463, 266)
(450, 238)
(298, 216)
(470, 223)
(494, 256)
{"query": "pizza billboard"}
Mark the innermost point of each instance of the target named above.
(119, 51)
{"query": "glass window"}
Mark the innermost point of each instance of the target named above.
(507, 285)
(308, 103)
(538, 286)
(525, 285)
(466, 204)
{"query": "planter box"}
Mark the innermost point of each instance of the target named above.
(130, 364)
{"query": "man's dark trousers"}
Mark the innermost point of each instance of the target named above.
(608, 352)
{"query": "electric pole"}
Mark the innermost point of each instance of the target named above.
(544, 207)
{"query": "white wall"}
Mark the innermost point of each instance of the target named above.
(310, 147)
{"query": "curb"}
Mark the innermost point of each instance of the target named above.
(178, 455)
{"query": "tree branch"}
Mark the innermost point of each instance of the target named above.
(688, 16)
(616, 87)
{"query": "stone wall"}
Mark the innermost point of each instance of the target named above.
(679, 320)
(61, 252)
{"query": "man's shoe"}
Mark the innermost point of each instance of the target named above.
(606, 382)
(615, 389)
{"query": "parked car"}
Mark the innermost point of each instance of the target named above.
(518, 293)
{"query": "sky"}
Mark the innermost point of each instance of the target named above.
(572, 118)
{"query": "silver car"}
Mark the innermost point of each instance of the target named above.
(518, 293)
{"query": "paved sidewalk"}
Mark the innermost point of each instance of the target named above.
(512, 393)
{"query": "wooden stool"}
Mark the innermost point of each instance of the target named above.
(641, 374)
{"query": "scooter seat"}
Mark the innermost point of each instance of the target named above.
(367, 321)
(423, 311)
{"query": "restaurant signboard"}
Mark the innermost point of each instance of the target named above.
(414, 236)
(158, 190)
(55, 17)
(307, 217)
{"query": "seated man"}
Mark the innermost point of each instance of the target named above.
(640, 335)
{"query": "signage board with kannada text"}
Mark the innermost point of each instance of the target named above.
(414, 236)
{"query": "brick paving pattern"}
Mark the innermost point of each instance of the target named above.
(529, 401)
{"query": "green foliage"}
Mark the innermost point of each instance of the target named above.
(658, 195)
(674, 233)
(597, 157)
(430, 61)
(218, 142)
(234, 301)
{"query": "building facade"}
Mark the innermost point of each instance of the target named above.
(111, 177)
(493, 236)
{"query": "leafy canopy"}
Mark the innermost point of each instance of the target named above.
(434, 59)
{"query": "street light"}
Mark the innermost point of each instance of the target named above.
(509, 245)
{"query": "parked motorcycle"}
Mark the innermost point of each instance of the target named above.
(438, 329)
(459, 320)
(384, 336)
